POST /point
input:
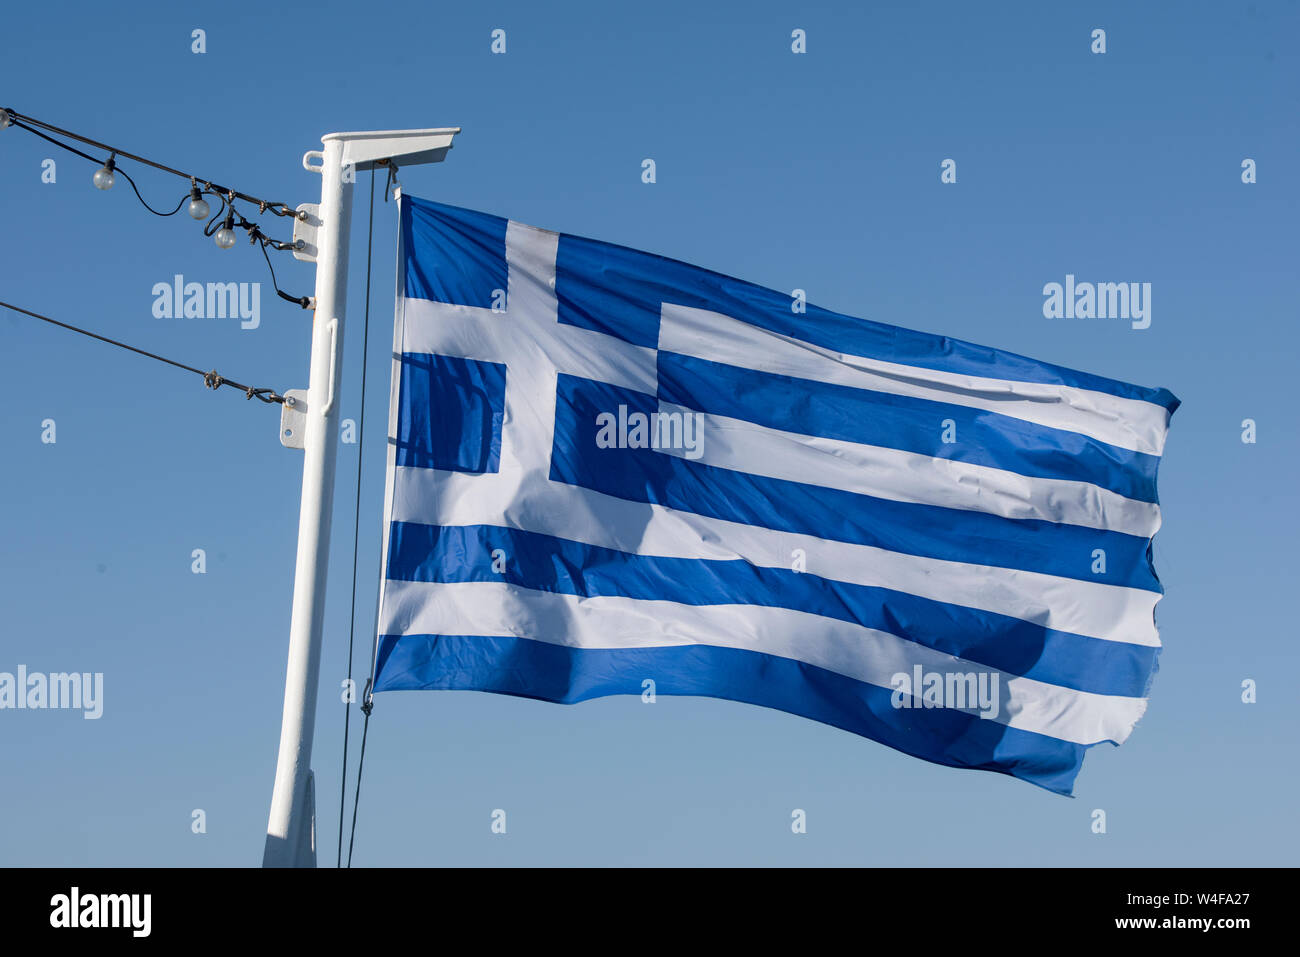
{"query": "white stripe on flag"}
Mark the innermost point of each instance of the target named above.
(864, 654)
(911, 477)
(1126, 423)
(536, 504)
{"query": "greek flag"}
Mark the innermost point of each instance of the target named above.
(611, 472)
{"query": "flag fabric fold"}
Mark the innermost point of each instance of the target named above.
(610, 472)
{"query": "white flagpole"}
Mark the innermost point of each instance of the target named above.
(291, 828)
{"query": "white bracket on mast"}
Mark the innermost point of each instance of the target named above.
(293, 419)
(313, 422)
(403, 147)
(305, 225)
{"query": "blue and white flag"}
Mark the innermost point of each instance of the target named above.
(606, 467)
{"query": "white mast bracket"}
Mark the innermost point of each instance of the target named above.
(365, 151)
(305, 225)
(293, 419)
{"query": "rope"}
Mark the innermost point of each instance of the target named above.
(367, 696)
(211, 379)
(356, 536)
(356, 799)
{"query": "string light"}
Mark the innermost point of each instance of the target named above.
(197, 207)
(103, 178)
(226, 234)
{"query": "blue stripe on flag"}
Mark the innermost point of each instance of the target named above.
(905, 423)
(958, 535)
(537, 669)
(433, 553)
(619, 291)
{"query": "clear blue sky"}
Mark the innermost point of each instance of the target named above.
(818, 171)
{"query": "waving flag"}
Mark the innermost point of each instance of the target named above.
(608, 468)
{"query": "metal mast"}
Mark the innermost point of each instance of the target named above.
(310, 422)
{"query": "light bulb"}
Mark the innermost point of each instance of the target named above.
(198, 208)
(225, 236)
(103, 178)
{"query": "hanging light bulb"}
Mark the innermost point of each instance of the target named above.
(103, 178)
(225, 236)
(198, 208)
